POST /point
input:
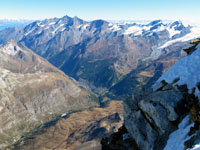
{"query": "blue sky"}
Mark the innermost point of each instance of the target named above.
(102, 9)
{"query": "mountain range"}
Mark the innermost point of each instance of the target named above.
(99, 54)
(56, 66)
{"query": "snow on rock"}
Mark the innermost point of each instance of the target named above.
(155, 26)
(172, 31)
(57, 28)
(42, 25)
(3, 74)
(195, 33)
(30, 31)
(114, 27)
(196, 147)
(177, 138)
(64, 115)
(187, 69)
(9, 49)
(52, 23)
(85, 26)
(157, 50)
(2, 84)
(1, 108)
(136, 30)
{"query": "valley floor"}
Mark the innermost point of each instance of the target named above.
(79, 131)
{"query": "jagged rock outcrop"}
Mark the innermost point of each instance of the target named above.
(119, 140)
(154, 112)
(149, 115)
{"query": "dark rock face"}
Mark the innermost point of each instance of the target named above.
(150, 115)
(192, 141)
(119, 141)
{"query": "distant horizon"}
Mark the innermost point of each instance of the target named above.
(139, 21)
(104, 9)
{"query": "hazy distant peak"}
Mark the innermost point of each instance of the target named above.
(155, 22)
(175, 23)
(78, 21)
(99, 23)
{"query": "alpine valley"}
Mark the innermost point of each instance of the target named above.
(66, 83)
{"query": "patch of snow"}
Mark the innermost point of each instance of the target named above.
(27, 33)
(114, 27)
(64, 115)
(46, 28)
(52, 23)
(9, 49)
(2, 84)
(84, 27)
(187, 69)
(173, 32)
(42, 25)
(147, 28)
(79, 26)
(1, 108)
(62, 29)
(56, 29)
(3, 74)
(161, 28)
(41, 78)
(177, 138)
(59, 21)
(195, 33)
(136, 30)
(39, 32)
(196, 147)
(156, 52)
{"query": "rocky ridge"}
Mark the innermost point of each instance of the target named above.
(32, 95)
(19, 59)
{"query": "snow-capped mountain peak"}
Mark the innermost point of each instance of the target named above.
(175, 24)
(155, 22)
(43, 32)
(187, 71)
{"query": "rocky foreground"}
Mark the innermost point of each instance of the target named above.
(167, 115)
